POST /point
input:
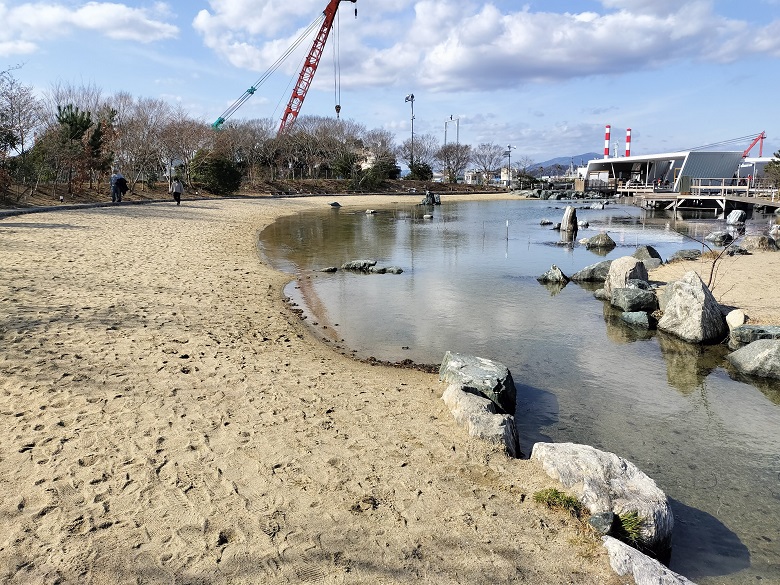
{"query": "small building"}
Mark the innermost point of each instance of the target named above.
(674, 172)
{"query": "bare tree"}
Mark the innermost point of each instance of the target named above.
(21, 113)
(453, 159)
(141, 132)
(252, 140)
(488, 157)
(422, 152)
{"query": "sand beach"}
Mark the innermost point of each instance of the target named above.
(167, 419)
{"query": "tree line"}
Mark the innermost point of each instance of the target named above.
(73, 136)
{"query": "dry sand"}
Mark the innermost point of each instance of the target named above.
(746, 282)
(166, 419)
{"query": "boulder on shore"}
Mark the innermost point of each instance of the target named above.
(744, 334)
(764, 243)
(489, 378)
(689, 254)
(649, 257)
(478, 415)
(760, 358)
(607, 483)
(691, 312)
(626, 560)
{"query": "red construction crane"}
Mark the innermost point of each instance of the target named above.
(310, 66)
(756, 140)
(307, 72)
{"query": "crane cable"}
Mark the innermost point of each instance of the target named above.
(249, 92)
(337, 66)
(731, 141)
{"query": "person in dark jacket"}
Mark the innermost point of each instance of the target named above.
(118, 186)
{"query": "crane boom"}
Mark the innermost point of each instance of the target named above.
(756, 140)
(310, 66)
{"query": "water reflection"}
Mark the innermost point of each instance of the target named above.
(618, 331)
(689, 364)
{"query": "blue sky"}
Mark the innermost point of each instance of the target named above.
(544, 76)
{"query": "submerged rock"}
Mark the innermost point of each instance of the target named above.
(358, 265)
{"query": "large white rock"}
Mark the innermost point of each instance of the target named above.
(621, 271)
(691, 312)
(478, 415)
(608, 483)
(760, 358)
(486, 377)
(626, 560)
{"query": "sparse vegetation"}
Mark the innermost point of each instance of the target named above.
(557, 500)
(630, 529)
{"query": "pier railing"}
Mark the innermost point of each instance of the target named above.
(720, 187)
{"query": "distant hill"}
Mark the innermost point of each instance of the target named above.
(565, 161)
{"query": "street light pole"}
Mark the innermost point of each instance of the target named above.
(509, 148)
(410, 98)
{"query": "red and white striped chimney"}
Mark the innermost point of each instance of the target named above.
(628, 141)
(606, 141)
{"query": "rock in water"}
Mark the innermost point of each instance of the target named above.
(569, 221)
(760, 358)
(600, 241)
(554, 275)
(621, 271)
(691, 312)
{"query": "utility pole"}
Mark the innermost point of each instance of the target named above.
(410, 99)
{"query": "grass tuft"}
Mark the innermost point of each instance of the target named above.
(631, 528)
(557, 500)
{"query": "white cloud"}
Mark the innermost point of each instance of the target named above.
(446, 45)
(27, 25)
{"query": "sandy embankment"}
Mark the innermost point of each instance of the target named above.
(166, 419)
(746, 282)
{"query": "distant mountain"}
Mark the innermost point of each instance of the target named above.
(565, 161)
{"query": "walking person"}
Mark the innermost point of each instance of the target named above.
(118, 186)
(177, 189)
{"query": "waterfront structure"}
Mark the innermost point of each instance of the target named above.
(680, 177)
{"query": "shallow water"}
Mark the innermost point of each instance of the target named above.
(469, 285)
